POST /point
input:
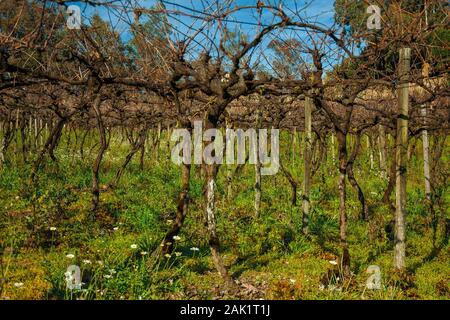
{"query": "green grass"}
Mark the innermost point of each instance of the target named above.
(268, 255)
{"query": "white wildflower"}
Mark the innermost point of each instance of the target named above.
(333, 262)
(176, 238)
(70, 256)
(18, 284)
(133, 246)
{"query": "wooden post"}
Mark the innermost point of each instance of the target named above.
(257, 167)
(369, 147)
(229, 167)
(30, 134)
(333, 148)
(168, 142)
(36, 142)
(426, 159)
(158, 141)
(294, 142)
(425, 142)
(307, 166)
(41, 126)
(401, 159)
(16, 145)
(382, 149)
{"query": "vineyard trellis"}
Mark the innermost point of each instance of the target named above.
(328, 88)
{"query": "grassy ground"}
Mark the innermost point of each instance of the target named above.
(46, 228)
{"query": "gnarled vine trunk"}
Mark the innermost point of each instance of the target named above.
(342, 146)
(352, 179)
(98, 160)
(182, 210)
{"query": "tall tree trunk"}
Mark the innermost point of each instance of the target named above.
(401, 160)
(307, 166)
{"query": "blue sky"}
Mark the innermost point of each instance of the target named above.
(318, 11)
(321, 11)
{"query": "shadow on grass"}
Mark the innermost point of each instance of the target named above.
(436, 249)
